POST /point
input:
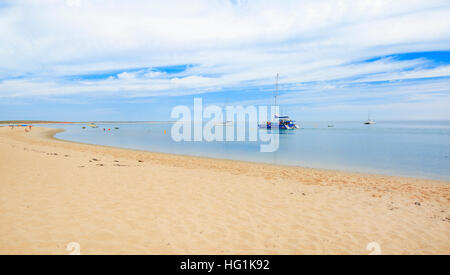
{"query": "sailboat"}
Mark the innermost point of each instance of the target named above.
(284, 122)
(225, 123)
(369, 121)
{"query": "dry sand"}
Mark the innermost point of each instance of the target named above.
(53, 192)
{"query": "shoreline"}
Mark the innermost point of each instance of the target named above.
(281, 166)
(51, 135)
(156, 203)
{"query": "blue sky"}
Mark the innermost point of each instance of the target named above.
(135, 60)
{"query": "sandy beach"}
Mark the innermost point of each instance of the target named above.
(117, 201)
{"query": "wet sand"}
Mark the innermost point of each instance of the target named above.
(117, 201)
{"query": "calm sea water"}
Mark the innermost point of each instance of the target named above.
(404, 148)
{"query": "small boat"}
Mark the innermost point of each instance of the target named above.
(225, 123)
(329, 126)
(117, 128)
(83, 127)
(369, 121)
(93, 125)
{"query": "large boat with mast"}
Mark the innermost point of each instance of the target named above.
(284, 122)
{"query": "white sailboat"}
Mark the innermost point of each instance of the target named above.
(369, 121)
(225, 123)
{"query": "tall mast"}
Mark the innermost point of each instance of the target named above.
(276, 91)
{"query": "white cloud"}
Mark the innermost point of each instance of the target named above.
(240, 43)
(126, 75)
(74, 3)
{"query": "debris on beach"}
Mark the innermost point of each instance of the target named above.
(120, 165)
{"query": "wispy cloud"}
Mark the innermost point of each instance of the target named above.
(140, 49)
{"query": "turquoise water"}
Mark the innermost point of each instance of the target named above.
(415, 149)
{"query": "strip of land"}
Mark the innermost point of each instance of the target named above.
(15, 122)
(117, 201)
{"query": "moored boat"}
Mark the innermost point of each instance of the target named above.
(284, 122)
(369, 121)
